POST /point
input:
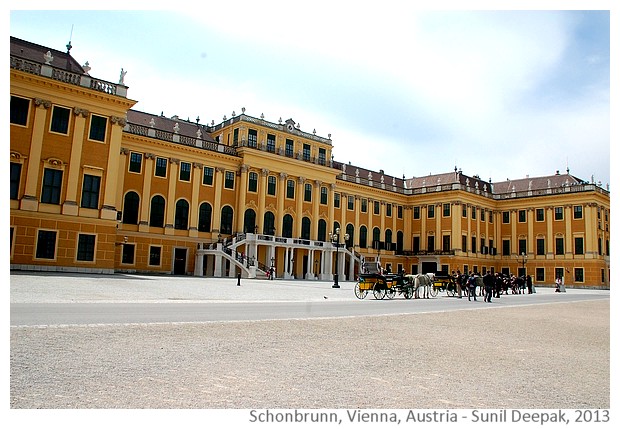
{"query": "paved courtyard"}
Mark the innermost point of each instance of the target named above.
(539, 356)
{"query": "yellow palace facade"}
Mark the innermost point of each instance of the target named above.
(98, 187)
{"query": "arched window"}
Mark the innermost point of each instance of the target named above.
(226, 220)
(363, 237)
(376, 238)
(181, 215)
(305, 228)
(322, 233)
(158, 209)
(287, 226)
(269, 225)
(204, 217)
(131, 207)
(249, 221)
(388, 239)
(350, 231)
(399, 242)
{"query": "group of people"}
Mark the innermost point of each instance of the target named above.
(492, 284)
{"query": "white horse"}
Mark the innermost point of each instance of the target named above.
(424, 281)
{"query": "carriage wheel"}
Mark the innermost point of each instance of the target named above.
(390, 293)
(434, 291)
(378, 292)
(360, 293)
(409, 292)
(451, 289)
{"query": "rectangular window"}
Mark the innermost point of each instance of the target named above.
(559, 246)
(579, 246)
(446, 210)
(416, 244)
(98, 126)
(388, 210)
(135, 162)
(155, 256)
(505, 247)
(308, 192)
(321, 156)
(86, 248)
(505, 217)
(207, 176)
(483, 214)
(52, 184)
(19, 110)
(253, 181)
(90, 191)
(271, 143)
(464, 212)
(522, 246)
(376, 208)
(473, 212)
(577, 212)
(446, 243)
(431, 243)
(46, 244)
(252, 138)
(364, 208)
(235, 136)
(400, 212)
(430, 211)
(559, 213)
(60, 120)
(128, 254)
(473, 245)
(464, 243)
(271, 185)
(323, 195)
(540, 274)
(579, 275)
(490, 216)
(229, 180)
(483, 247)
(540, 246)
(306, 153)
(16, 174)
(540, 215)
(288, 148)
(336, 200)
(185, 171)
(161, 167)
(290, 189)
(522, 217)
(351, 202)
(416, 212)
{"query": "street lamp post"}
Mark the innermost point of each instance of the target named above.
(335, 237)
(522, 259)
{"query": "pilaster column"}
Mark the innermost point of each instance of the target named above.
(70, 206)
(217, 203)
(195, 203)
(30, 200)
(281, 196)
(171, 198)
(149, 162)
(299, 199)
(262, 192)
(108, 211)
(243, 187)
(316, 199)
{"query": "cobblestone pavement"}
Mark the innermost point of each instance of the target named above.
(542, 356)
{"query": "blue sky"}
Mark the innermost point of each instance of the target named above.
(502, 94)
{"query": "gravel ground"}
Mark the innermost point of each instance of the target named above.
(543, 356)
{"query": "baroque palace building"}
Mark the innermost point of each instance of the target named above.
(96, 186)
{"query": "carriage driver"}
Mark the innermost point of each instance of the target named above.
(458, 279)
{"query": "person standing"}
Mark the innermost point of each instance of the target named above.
(528, 281)
(458, 279)
(471, 287)
(488, 282)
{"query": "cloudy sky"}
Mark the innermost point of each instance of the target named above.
(501, 94)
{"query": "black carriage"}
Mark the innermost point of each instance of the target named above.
(443, 282)
(384, 285)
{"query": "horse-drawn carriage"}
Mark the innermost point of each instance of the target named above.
(388, 285)
(443, 282)
(384, 285)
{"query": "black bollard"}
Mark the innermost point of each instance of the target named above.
(239, 279)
